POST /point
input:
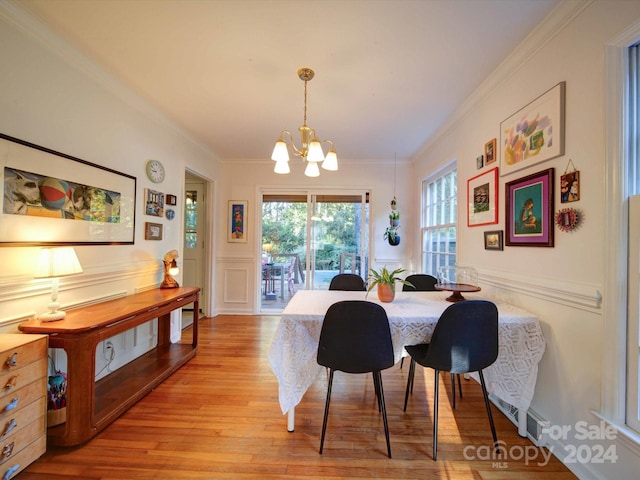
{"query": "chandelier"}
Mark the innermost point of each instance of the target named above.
(311, 147)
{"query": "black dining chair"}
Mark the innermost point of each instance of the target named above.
(464, 340)
(356, 338)
(347, 281)
(421, 282)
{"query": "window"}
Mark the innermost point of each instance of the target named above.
(440, 213)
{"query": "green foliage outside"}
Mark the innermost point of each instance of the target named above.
(284, 226)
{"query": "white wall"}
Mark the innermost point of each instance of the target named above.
(562, 284)
(52, 98)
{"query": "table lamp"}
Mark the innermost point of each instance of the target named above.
(55, 263)
(170, 269)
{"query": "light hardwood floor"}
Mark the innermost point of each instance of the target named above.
(218, 417)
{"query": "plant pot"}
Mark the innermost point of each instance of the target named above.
(394, 222)
(394, 241)
(386, 293)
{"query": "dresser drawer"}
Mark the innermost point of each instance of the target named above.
(10, 447)
(21, 397)
(20, 350)
(10, 425)
(22, 459)
(12, 382)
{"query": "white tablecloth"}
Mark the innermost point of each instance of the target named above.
(412, 317)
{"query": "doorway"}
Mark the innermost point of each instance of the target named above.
(307, 239)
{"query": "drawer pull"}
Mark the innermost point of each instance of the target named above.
(8, 450)
(10, 426)
(11, 405)
(11, 383)
(11, 471)
(12, 361)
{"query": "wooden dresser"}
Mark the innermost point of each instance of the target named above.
(23, 401)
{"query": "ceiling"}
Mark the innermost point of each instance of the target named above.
(388, 74)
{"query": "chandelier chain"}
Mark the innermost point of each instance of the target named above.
(305, 103)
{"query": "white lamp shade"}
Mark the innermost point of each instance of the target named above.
(281, 167)
(280, 152)
(57, 262)
(315, 151)
(312, 169)
(331, 161)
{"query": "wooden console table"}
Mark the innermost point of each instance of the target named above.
(91, 405)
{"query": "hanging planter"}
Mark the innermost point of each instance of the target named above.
(391, 234)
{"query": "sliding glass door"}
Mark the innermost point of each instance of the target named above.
(308, 238)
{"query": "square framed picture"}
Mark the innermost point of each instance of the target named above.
(237, 227)
(529, 210)
(482, 199)
(171, 200)
(152, 231)
(490, 152)
(534, 133)
(494, 240)
(154, 203)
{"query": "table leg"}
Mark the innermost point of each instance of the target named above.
(291, 419)
(522, 422)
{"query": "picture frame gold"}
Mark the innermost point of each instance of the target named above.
(152, 231)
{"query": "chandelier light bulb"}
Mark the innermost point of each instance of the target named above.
(282, 167)
(331, 161)
(312, 169)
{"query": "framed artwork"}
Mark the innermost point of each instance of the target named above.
(154, 203)
(570, 187)
(482, 198)
(535, 133)
(479, 162)
(494, 240)
(152, 231)
(237, 227)
(172, 200)
(529, 210)
(51, 198)
(490, 152)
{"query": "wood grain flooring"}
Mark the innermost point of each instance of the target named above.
(218, 417)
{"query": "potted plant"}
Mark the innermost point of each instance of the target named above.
(386, 282)
(394, 218)
(391, 234)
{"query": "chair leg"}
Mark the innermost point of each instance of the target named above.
(435, 416)
(376, 389)
(412, 370)
(326, 410)
(488, 405)
(401, 362)
(453, 388)
(459, 385)
(384, 410)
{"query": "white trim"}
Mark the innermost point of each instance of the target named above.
(614, 332)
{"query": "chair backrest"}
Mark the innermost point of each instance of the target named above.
(465, 338)
(347, 281)
(355, 338)
(422, 283)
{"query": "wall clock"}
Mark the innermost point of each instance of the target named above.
(155, 171)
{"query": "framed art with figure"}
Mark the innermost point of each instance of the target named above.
(529, 210)
(482, 198)
(237, 229)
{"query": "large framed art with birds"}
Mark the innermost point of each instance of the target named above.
(51, 198)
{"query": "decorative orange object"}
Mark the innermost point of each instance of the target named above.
(386, 293)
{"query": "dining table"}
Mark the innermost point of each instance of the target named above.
(412, 318)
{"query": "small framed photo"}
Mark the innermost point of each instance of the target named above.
(154, 203)
(494, 240)
(171, 200)
(570, 187)
(152, 231)
(479, 162)
(490, 152)
(482, 198)
(237, 227)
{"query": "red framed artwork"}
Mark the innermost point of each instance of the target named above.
(482, 199)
